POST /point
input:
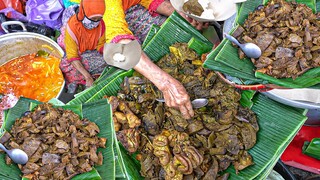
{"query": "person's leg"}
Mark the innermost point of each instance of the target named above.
(94, 61)
(140, 21)
(71, 75)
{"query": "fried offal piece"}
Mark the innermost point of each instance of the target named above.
(182, 160)
(132, 119)
(130, 139)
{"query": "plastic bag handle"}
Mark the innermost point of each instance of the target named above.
(4, 25)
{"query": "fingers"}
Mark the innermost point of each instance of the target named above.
(194, 23)
(184, 112)
(89, 82)
(181, 102)
(198, 25)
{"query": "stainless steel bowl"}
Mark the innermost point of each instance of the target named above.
(313, 113)
(22, 43)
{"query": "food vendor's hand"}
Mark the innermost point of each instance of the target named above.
(89, 81)
(198, 25)
(176, 96)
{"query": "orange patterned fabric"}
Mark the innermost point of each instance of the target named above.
(86, 39)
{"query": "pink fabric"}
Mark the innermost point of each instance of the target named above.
(60, 39)
(101, 50)
(154, 6)
(74, 59)
(120, 37)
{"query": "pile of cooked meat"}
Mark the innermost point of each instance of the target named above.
(58, 143)
(288, 34)
(172, 147)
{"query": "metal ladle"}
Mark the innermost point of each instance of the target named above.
(196, 103)
(250, 49)
(17, 155)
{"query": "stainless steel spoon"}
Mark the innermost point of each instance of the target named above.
(250, 49)
(17, 155)
(196, 103)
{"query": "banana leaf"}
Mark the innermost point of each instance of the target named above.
(278, 125)
(153, 31)
(244, 68)
(308, 79)
(90, 93)
(246, 98)
(98, 112)
(174, 29)
(112, 86)
(247, 7)
(212, 64)
(318, 5)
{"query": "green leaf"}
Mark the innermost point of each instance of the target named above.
(199, 46)
(100, 113)
(220, 66)
(111, 87)
(246, 98)
(312, 148)
(273, 137)
(174, 29)
(307, 79)
(89, 93)
(247, 7)
(8, 172)
(131, 166)
(92, 175)
(153, 31)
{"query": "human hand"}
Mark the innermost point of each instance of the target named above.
(177, 97)
(198, 25)
(89, 81)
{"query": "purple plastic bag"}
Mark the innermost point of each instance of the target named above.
(14, 14)
(48, 12)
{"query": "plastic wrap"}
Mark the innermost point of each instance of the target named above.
(47, 12)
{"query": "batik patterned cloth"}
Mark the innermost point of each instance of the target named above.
(140, 21)
(92, 61)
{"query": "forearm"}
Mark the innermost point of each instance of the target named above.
(152, 72)
(79, 66)
(165, 8)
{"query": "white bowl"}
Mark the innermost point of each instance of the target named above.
(225, 9)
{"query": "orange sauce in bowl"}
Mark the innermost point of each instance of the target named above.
(32, 77)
